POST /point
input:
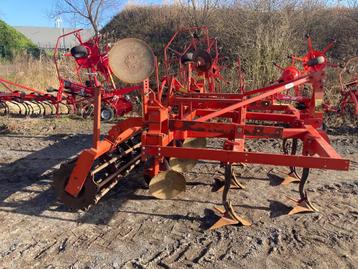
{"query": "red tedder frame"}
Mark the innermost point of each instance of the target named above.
(97, 73)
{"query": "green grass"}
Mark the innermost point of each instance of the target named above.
(12, 41)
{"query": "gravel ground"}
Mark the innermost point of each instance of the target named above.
(130, 229)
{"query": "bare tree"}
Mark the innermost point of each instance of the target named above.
(90, 11)
(199, 11)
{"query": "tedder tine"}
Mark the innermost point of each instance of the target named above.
(29, 109)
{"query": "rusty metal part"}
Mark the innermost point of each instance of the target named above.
(227, 214)
(184, 165)
(235, 183)
(131, 60)
(167, 184)
(302, 205)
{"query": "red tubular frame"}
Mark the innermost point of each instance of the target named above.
(165, 127)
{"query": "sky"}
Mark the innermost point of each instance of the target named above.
(27, 12)
(36, 13)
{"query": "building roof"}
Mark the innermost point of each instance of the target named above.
(46, 37)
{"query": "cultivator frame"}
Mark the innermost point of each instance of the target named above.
(175, 125)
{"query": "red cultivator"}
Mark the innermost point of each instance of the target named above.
(92, 71)
(186, 111)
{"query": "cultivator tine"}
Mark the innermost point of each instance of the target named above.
(235, 184)
(227, 214)
(167, 184)
(228, 217)
(302, 206)
(288, 178)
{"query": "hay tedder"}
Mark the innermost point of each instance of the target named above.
(76, 92)
(185, 110)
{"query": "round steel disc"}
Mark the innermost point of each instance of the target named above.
(167, 185)
(181, 165)
(184, 165)
(194, 143)
(131, 60)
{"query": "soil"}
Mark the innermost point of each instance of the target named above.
(130, 229)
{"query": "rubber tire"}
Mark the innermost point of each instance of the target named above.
(110, 114)
(79, 52)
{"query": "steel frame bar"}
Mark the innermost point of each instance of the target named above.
(269, 91)
(250, 157)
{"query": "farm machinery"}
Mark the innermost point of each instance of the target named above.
(75, 93)
(187, 109)
(348, 79)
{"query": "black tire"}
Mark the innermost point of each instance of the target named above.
(79, 52)
(107, 113)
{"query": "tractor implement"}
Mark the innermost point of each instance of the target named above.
(186, 110)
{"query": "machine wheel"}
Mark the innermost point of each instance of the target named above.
(107, 113)
(79, 52)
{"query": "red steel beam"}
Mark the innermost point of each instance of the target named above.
(249, 157)
(319, 145)
(269, 91)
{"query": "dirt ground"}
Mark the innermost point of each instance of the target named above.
(130, 229)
